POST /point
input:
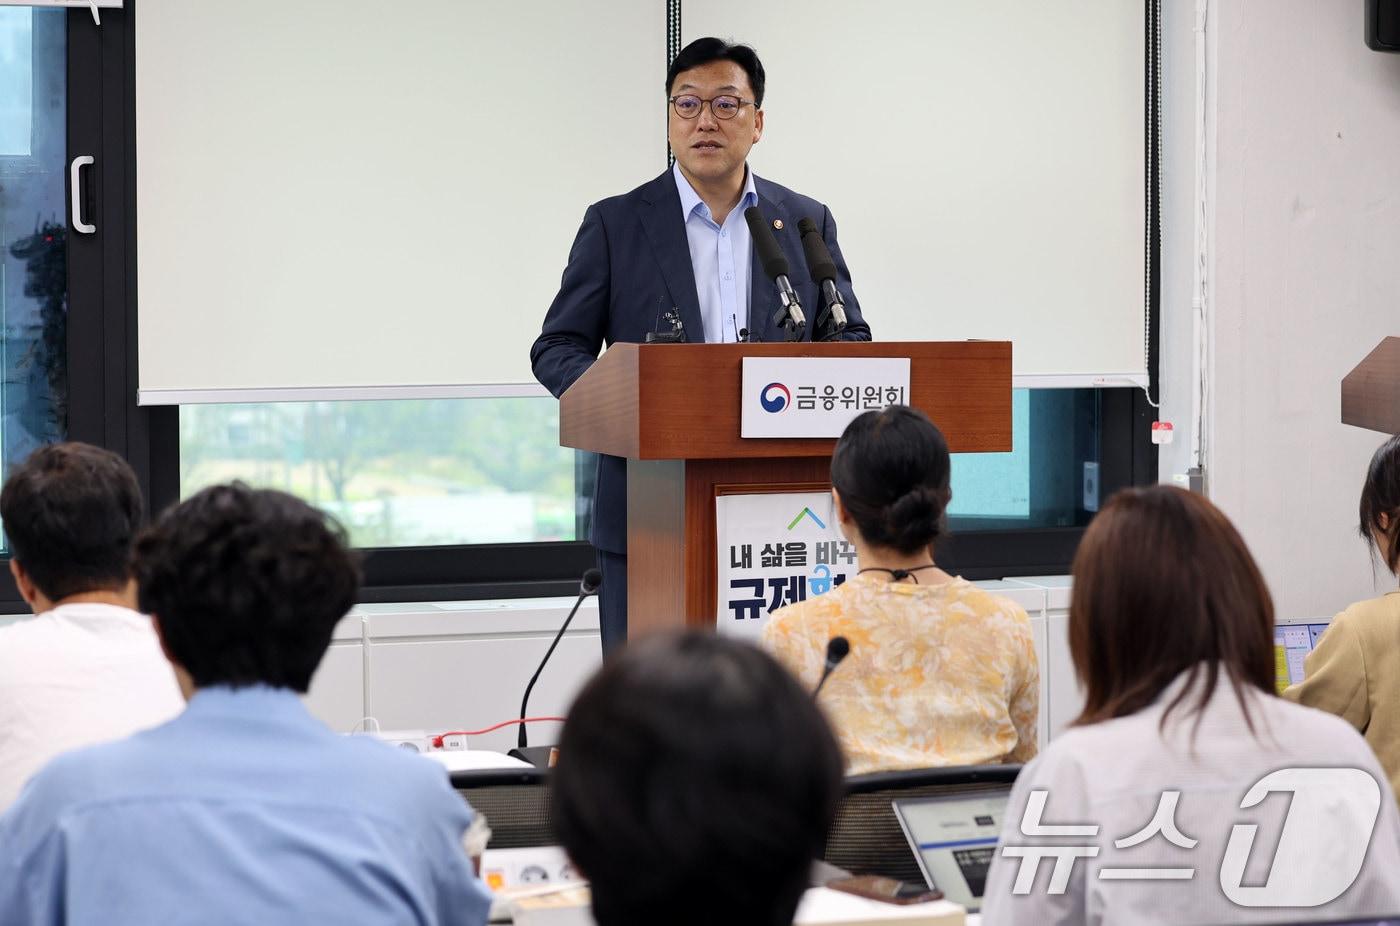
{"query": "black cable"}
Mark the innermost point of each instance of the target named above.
(1152, 187)
(673, 48)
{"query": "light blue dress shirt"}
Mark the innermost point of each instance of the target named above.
(721, 256)
(243, 809)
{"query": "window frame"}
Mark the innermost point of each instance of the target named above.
(102, 337)
(101, 121)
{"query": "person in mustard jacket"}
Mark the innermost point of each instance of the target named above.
(1355, 670)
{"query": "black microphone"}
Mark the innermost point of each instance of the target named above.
(775, 264)
(589, 586)
(838, 649)
(677, 333)
(824, 275)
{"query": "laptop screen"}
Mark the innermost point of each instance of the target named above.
(1292, 643)
(954, 837)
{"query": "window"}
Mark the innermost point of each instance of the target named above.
(473, 497)
(476, 471)
(482, 472)
(33, 231)
(1041, 482)
(399, 473)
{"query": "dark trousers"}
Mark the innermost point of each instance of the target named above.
(612, 600)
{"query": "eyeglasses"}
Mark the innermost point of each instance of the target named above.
(722, 107)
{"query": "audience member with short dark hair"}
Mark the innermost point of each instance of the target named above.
(696, 784)
(940, 672)
(244, 807)
(1354, 672)
(1171, 630)
(88, 667)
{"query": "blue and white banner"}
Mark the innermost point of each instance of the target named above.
(816, 396)
(775, 549)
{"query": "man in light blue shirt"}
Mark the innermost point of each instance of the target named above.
(243, 809)
(679, 247)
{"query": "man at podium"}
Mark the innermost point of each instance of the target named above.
(675, 259)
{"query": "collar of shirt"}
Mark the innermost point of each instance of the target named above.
(268, 704)
(93, 611)
(883, 582)
(691, 201)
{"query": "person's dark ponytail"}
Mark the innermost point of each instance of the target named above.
(1381, 496)
(891, 468)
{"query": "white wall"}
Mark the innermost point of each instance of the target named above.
(443, 666)
(1046, 600)
(1303, 129)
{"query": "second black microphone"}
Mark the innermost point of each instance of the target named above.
(775, 264)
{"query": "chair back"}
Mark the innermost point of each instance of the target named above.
(866, 837)
(515, 803)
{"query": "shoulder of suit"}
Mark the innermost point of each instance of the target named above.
(647, 192)
(1374, 614)
(653, 188)
(794, 200)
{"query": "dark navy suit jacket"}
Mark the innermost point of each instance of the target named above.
(629, 264)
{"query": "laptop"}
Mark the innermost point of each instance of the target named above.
(954, 838)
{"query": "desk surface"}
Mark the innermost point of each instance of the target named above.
(820, 907)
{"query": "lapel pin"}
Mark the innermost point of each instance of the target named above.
(778, 224)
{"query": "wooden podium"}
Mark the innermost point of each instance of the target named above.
(1371, 392)
(672, 410)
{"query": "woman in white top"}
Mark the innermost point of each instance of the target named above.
(1183, 745)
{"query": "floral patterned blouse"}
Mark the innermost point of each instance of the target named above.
(937, 674)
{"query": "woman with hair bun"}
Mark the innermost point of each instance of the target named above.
(940, 672)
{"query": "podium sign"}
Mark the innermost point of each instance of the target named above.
(816, 396)
(775, 549)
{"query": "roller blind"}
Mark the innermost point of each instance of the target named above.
(359, 199)
(984, 162)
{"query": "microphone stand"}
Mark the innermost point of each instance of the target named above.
(830, 324)
(823, 270)
(783, 318)
(592, 579)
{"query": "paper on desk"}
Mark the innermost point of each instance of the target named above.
(568, 905)
(459, 760)
(822, 906)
